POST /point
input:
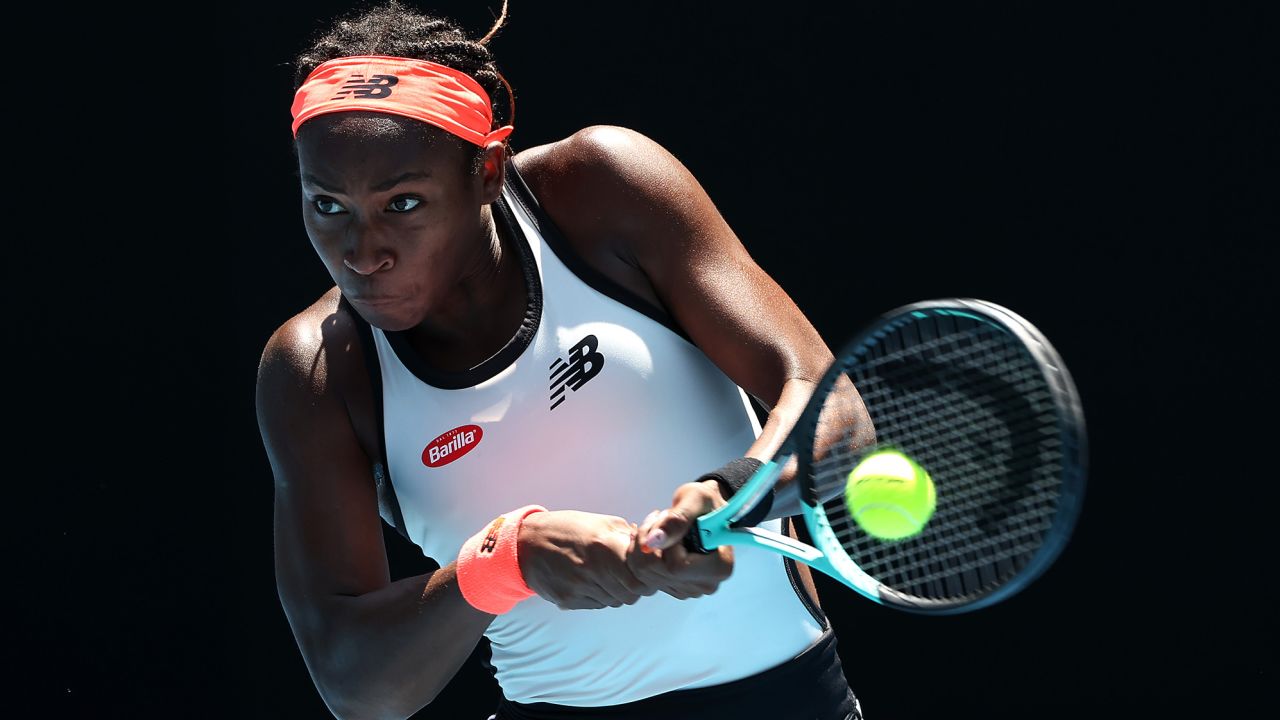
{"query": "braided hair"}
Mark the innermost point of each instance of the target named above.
(391, 28)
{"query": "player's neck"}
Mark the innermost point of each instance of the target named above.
(482, 313)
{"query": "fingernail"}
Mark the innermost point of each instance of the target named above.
(656, 538)
(649, 518)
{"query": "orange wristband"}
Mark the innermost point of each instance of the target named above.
(488, 570)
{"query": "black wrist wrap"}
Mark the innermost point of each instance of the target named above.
(731, 477)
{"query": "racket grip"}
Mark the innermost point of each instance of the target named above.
(693, 542)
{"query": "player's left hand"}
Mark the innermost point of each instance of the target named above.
(658, 556)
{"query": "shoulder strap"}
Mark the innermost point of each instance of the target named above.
(564, 251)
(551, 235)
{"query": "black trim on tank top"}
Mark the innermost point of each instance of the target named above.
(445, 380)
(793, 574)
(586, 273)
(381, 470)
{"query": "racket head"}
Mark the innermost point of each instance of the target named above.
(978, 397)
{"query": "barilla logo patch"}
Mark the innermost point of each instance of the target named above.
(451, 445)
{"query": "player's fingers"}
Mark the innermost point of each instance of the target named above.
(646, 527)
(676, 558)
(588, 597)
(698, 572)
(669, 527)
(580, 604)
(614, 574)
(622, 582)
(725, 564)
(629, 584)
(690, 501)
(646, 568)
(619, 593)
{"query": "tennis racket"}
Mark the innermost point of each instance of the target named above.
(978, 398)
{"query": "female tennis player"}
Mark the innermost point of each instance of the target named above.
(524, 356)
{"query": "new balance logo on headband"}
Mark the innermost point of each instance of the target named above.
(584, 364)
(378, 86)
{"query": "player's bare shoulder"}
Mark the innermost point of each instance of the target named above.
(315, 357)
(310, 346)
(608, 161)
(600, 186)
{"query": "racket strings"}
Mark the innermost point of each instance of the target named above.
(971, 406)
(958, 551)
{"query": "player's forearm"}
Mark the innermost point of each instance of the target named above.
(844, 420)
(388, 653)
(782, 417)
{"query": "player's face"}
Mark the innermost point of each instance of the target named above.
(396, 220)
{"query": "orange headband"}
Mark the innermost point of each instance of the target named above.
(419, 89)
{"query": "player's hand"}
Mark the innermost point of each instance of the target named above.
(658, 556)
(578, 560)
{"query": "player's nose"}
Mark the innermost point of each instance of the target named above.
(366, 253)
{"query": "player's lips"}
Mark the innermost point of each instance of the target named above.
(374, 300)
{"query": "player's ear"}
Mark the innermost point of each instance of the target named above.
(493, 170)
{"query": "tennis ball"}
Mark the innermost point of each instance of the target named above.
(889, 495)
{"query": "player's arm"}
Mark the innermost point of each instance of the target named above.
(374, 648)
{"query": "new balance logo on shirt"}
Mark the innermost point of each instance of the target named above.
(584, 363)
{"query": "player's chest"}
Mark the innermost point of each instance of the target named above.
(576, 382)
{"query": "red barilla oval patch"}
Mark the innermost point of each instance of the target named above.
(451, 445)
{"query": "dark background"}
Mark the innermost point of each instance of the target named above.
(1097, 169)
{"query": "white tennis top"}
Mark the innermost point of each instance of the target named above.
(598, 404)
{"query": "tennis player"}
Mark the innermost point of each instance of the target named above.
(536, 366)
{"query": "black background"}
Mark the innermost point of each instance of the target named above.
(1097, 169)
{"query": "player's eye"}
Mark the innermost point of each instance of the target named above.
(404, 204)
(326, 206)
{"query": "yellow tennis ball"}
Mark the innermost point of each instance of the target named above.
(889, 495)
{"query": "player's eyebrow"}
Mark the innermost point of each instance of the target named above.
(380, 187)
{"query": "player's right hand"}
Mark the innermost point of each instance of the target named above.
(578, 560)
(658, 556)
